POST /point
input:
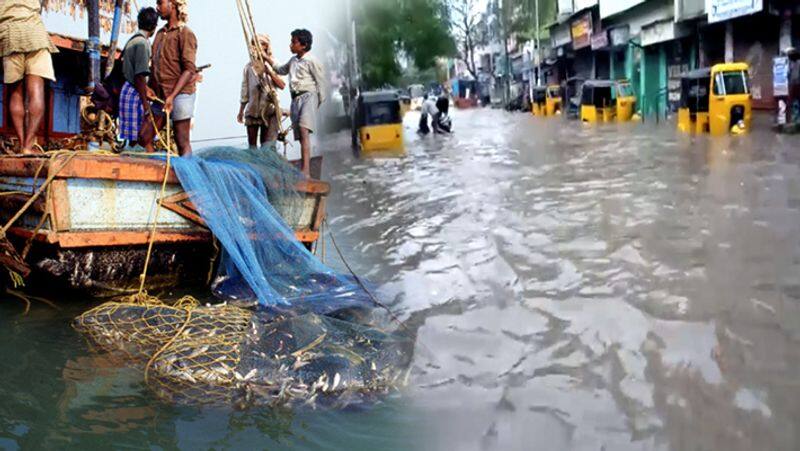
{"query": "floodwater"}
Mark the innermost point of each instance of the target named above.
(574, 287)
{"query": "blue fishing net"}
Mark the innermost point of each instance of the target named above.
(246, 197)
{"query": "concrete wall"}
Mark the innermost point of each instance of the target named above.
(611, 7)
(644, 14)
(583, 4)
(689, 9)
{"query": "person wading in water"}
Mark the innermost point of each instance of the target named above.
(428, 109)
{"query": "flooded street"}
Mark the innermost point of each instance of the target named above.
(592, 288)
(574, 287)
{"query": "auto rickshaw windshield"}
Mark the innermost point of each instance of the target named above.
(381, 113)
(554, 91)
(731, 83)
(625, 90)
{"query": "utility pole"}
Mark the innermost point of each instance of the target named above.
(538, 47)
(353, 75)
(505, 30)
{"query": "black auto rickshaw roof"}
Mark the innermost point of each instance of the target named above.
(599, 83)
(704, 72)
(379, 96)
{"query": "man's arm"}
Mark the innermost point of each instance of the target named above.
(140, 84)
(280, 70)
(245, 95)
(188, 56)
(141, 60)
(319, 77)
(278, 81)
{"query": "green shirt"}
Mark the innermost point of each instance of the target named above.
(136, 57)
(22, 29)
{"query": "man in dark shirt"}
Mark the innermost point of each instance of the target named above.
(134, 105)
(173, 75)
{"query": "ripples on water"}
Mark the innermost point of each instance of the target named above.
(574, 287)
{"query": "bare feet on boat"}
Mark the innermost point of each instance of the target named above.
(31, 151)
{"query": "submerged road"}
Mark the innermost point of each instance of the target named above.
(612, 287)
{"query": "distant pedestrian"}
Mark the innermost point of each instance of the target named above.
(257, 109)
(25, 48)
(134, 104)
(174, 76)
(307, 86)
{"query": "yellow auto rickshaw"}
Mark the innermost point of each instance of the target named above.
(380, 125)
(539, 101)
(715, 100)
(553, 102)
(606, 101)
(598, 101)
(626, 101)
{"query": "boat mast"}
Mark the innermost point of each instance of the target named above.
(112, 47)
(93, 43)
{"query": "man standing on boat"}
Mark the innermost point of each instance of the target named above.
(173, 76)
(134, 104)
(307, 86)
(257, 109)
(25, 48)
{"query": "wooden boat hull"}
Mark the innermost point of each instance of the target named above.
(91, 229)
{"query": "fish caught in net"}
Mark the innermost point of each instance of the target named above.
(300, 332)
(229, 355)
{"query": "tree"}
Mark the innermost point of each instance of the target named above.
(470, 31)
(387, 30)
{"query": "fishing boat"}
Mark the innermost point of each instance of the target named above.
(90, 227)
(89, 230)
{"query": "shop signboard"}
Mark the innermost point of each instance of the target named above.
(581, 31)
(719, 10)
(599, 40)
(619, 35)
(663, 31)
(780, 76)
(560, 35)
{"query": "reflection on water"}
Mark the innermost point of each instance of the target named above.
(573, 287)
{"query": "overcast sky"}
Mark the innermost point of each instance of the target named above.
(221, 43)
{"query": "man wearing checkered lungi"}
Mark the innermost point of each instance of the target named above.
(136, 68)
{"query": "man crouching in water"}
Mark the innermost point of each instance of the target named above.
(428, 109)
(173, 76)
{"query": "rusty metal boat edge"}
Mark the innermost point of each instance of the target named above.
(89, 233)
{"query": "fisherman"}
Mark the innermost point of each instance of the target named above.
(25, 48)
(428, 109)
(307, 87)
(256, 104)
(173, 77)
(134, 104)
